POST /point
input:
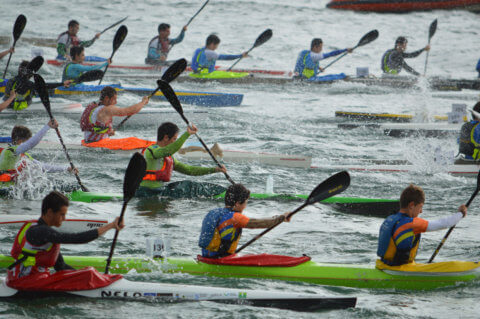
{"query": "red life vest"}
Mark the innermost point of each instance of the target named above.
(164, 174)
(11, 174)
(86, 123)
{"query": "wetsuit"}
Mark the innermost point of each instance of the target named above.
(469, 140)
(158, 49)
(203, 60)
(73, 71)
(307, 64)
(65, 41)
(393, 61)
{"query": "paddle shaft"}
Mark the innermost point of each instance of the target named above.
(230, 68)
(125, 119)
(116, 23)
(9, 57)
(191, 19)
(106, 68)
(269, 229)
(112, 248)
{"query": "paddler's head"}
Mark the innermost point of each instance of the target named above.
(20, 134)
(54, 208)
(163, 30)
(236, 197)
(412, 200)
(476, 112)
(317, 45)
(401, 44)
(212, 42)
(108, 96)
(167, 133)
(77, 54)
(73, 27)
(23, 69)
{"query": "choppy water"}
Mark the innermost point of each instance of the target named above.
(284, 119)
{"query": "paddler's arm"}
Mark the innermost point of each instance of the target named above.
(9, 100)
(34, 140)
(61, 265)
(448, 221)
(231, 56)
(334, 53)
(414, 54)
(179, 38)
(172, 148)
(268, 222)
(61, 49)
(89, 42)
(193, 170)
(409, 69)
(126, 111)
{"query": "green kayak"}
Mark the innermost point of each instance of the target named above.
(406, 277)
(219, 75)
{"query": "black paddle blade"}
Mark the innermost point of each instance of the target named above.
(41, 89)
(475, 192)
(170, 95)
(133, 175)
(331, 186)
(174, 70)
(20, 24)
(119, 37)
(367, 38)
(92, 75)
(433, 29)
(264, 37)
(35, 64)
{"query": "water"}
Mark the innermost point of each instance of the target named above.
(283, 119)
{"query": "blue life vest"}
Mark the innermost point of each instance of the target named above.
(200, 62)
(305, 67)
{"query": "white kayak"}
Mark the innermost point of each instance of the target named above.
(126, 289)
(70, 225)
(408, 129)
(459, 170)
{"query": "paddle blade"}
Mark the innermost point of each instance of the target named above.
(367, 38)
(119, 37)
(20, 24)
(133, 175)
(174, 70)
(35, 64)
(264, 37)
(42, 91)
(332, 186)
(170, 95)
(88, 76)
(433, 29)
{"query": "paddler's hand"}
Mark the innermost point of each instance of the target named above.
(192, 129)
(244, 54)
(73, 171)
(184, 28)
(116, 225)
(349, 50)
(67, 83)
(111, 132)
(113, 225)
(11, 50)
(13, 94)
(222, 169)
(321, 69)
(53, 123)
(97, 35)
(145, 100)
(287, 217)
(463, 209)
(427, 48)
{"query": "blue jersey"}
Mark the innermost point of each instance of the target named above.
(204, 59)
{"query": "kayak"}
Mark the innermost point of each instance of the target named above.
(367, 116)
(70, 225)
(410, 129)
(411, 277)
(456, 169)
(218, 75)
(134, 290)
(404, 5)
(210, 99)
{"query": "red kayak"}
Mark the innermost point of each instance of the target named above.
(403, 5)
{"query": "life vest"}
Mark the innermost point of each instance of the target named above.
(390, 238)
(152, 173)
(29, 255)
(72, 40)
(24, 89)
(386, 63)
(8, 172)
(65, 75)
(218, 237)
(467, 143)
(89, 123)
(305, 67)
(202, 65)
(163, 46)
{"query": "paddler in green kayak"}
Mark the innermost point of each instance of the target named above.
(204, 59)
(393, 60)
(222, 227)
(160, 45)
(161, 164)
(400, 233)
(74, 69)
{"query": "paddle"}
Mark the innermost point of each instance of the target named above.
(331, 186)
(133, 176)
(431, 32)
(262, 38)
(92, 75)
(17, 31)
(115, 24)
(41, 89)
(451, 228)
(170, 74)
(117, 41)
(173, 99)
(193, 17)
(35, 65)
(366, 39)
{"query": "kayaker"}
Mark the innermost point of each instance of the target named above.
(161, 44)
(222, 227)
(400, 233)
(469, 140)
(37, 248)
(308, 65)
(204, 59)
(393, 60)
(69, 38)
(161, 164)
(74, 69)
(478, 68)
(4, 53)
(96, 120)
(13, 158)
(24, 88)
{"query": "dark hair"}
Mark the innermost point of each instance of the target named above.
(23, 68)
(476, 108)
(163, 26)
(400, 40)
(412, 193)
(167, 128)
(236, 193)
(212, 38)
(72, 23)
(75, 51)
(315, 42)
(107, 91)
(20, 132)
(54, 201)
